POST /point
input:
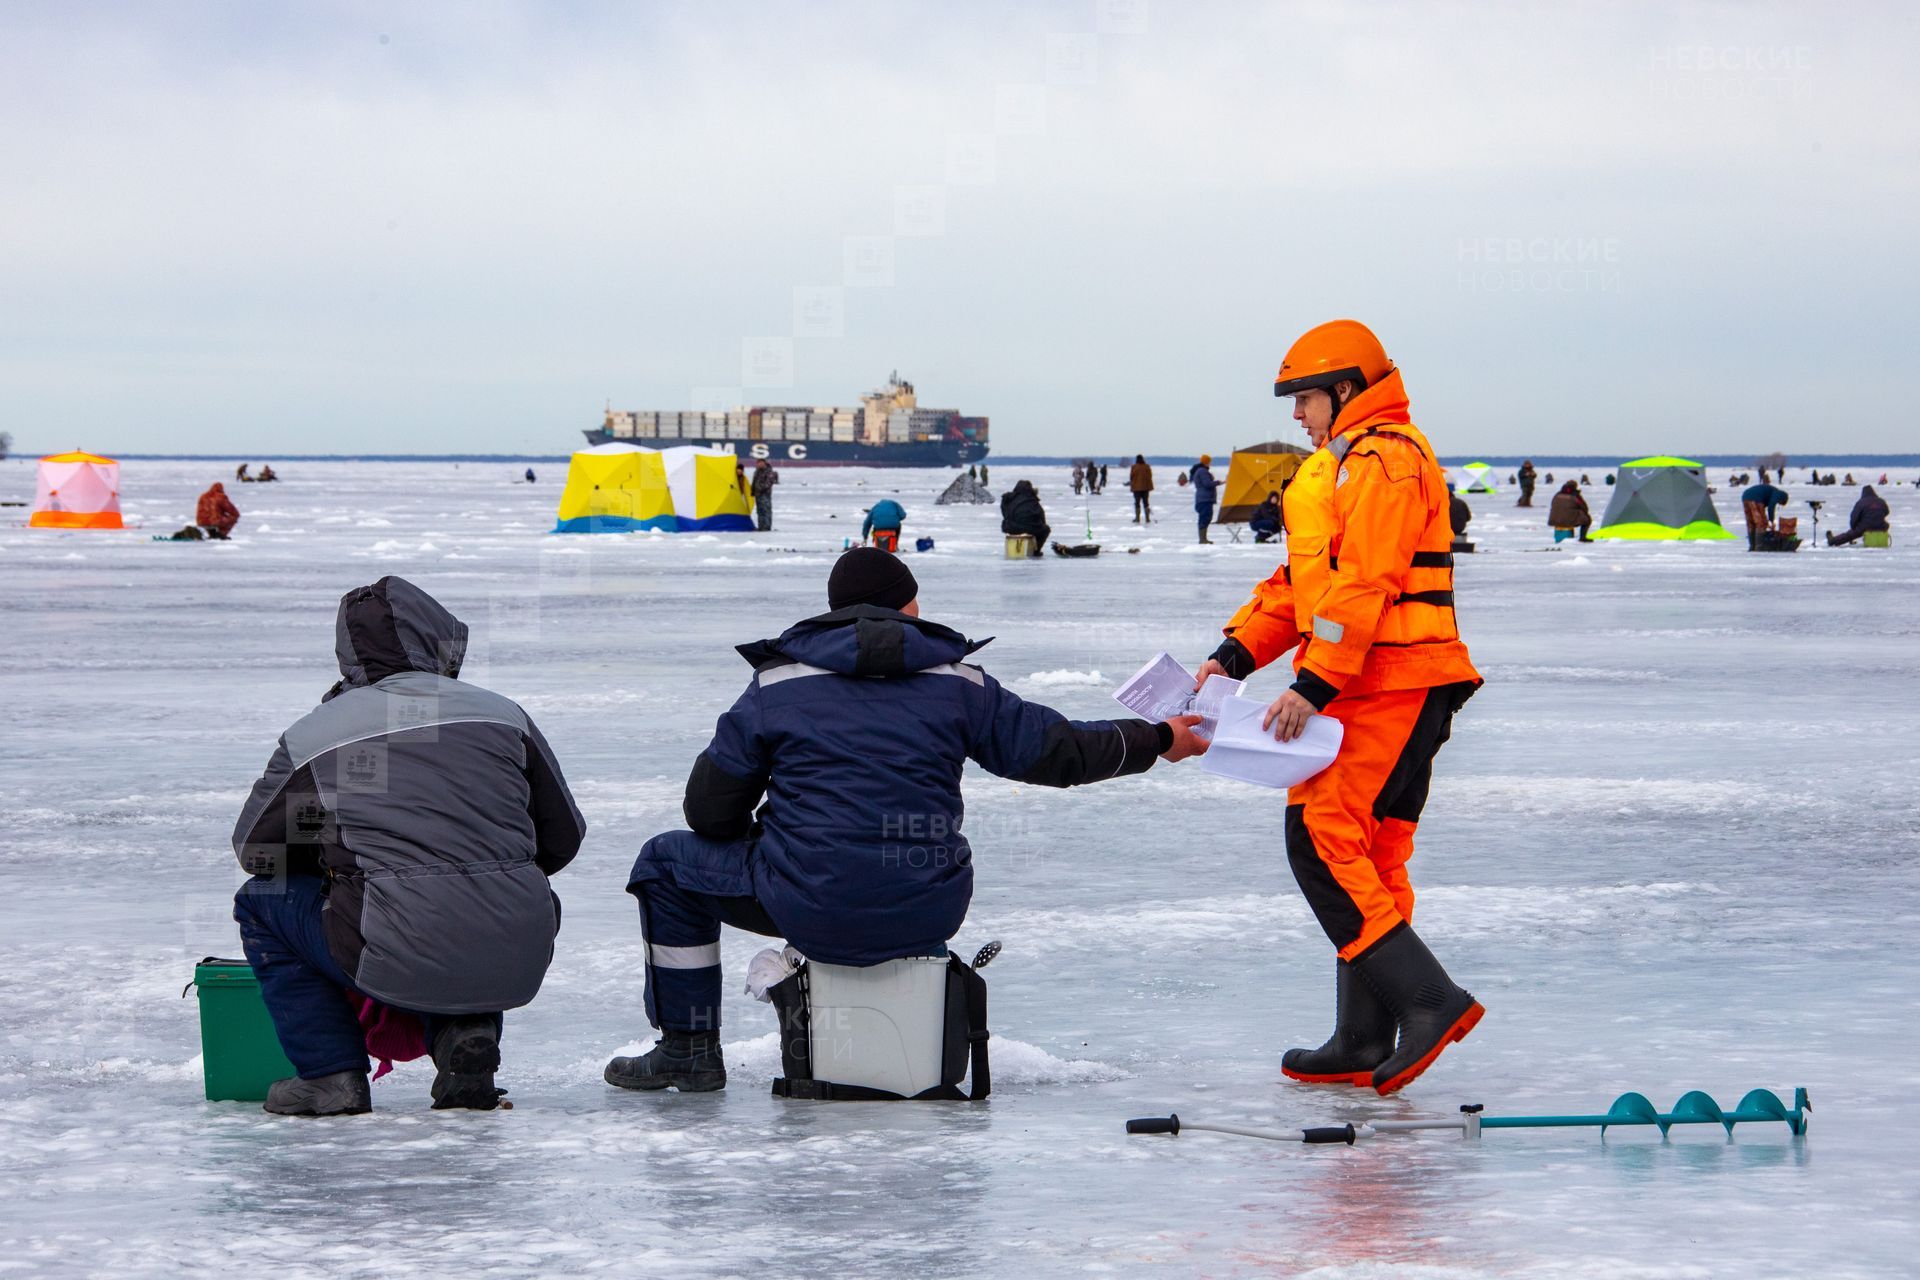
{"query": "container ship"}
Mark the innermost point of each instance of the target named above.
(887, 429)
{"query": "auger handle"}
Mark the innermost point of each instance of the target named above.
(1329, 1134)
(1155, 1124)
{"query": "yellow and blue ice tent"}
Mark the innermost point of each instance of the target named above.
(617, 488)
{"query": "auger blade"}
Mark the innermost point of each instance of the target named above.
(1631, 1108)
(1697, 1107)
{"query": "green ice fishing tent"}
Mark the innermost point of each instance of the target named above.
(1661, 500)
(1480, 478)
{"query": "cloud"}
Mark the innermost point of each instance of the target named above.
(1607, 228)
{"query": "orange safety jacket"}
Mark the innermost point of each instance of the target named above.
(1366, 594)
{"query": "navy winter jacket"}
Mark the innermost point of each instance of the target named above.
(856, 729)
(1205, 487)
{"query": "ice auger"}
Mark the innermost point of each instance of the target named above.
(1628, 1109)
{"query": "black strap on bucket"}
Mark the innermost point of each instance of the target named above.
(963, 984)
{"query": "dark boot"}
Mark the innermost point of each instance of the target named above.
(344, 1093)
(689, 1061)
(1430, 1010)
(467, 1051)
(1362, 1037)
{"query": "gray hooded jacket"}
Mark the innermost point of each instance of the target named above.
(435, 809)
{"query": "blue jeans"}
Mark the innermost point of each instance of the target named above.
(305, 989)
(688, 886)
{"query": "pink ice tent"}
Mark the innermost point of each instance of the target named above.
(77, 491)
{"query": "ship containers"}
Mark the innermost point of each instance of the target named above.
(756, 424)
(820, 425)
(739, 425)
(899, 426)
(620, 426)
(845, 424)
(931, 424)
(646, 425)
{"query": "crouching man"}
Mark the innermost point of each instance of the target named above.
(855, 728)
(400, 843)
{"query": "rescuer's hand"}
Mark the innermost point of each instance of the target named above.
(1287, 717)
(1211, 667)
(1185, 741)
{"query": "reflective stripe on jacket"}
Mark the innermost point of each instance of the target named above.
(1366, 593)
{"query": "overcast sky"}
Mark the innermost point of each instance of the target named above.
(466, 227)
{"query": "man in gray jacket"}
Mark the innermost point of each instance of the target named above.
(400, 843)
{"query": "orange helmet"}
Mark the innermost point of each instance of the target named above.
(1337, 351)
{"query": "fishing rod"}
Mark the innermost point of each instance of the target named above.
(1628, 1109)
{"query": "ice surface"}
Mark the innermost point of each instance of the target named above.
(1671, 845)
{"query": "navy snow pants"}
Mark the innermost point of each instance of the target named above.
(305, 989)
(688, 886)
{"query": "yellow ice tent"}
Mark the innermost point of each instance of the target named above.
(1255, 472)
(616, 488)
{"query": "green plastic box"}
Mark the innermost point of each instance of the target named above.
(240, 1052)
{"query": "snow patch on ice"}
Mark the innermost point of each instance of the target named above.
(1061, 678)
(1611, 675)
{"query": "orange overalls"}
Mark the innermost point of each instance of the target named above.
(1365, 599)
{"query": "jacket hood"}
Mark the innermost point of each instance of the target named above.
(394, 626)
(1385, 402)
(865, 640)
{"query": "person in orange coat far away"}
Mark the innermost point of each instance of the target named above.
(1364, 604)
(216, 513)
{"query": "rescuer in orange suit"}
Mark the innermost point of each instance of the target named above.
(1364, 603)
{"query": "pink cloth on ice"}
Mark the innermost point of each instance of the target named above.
(393, 1035)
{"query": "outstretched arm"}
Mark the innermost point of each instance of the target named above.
(1029, 742)
(1260, 632)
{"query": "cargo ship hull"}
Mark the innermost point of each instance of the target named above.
(889, 428)
(825, 453)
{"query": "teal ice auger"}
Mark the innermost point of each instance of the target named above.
(1627, 1109)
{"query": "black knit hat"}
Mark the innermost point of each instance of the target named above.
(868, 575)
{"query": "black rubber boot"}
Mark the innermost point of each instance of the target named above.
(344, 1093)
(1430, 1011)
(467, 1051)
(1362, 1037)
(689, 1061)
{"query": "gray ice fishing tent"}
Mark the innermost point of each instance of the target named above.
(965, 489)
(1661, 500)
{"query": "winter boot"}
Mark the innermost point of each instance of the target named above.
(344, 1093)
(1362, 1037)
(1430, 1010)
(467, 1051)
(689, 1061)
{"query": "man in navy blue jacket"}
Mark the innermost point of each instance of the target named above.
(1205, 491)
(855, 731)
